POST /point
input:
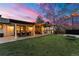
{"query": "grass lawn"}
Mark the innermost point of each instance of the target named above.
(51, 45)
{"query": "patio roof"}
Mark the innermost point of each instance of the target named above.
(6, 20)
(75, 14)
(21, 22)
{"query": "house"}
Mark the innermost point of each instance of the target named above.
(11, 27)
(72, 24)
(19, 28)
(39, 28)
(43, 29)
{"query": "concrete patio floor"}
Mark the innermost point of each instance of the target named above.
(12, 38)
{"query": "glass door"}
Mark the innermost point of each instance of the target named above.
(21, 30)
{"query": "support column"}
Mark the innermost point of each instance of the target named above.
(33, 30)
(5, 29)
(42, 28)
(49, 29)
(15, 32)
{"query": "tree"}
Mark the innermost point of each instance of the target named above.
(39, 20)
(47, 24)
(54, 12)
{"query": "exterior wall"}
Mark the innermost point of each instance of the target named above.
(20, 29)
(1, 30)
(30, 28)
(42, 29)
(39, 29)
(72, 23)
(33, 32)
(25, 29)
(4, 29)
(49, 30)
(8, 30)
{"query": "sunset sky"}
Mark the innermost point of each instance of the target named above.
(25, 12)
(30, 11)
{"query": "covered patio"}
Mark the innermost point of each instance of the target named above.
(16, 28)
(12, 38)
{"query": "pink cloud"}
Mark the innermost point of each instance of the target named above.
(19, 12)
(26, 10)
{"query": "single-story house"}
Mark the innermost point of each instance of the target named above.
(18, 28)
(11, 27)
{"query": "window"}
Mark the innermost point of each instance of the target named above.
(18, 29)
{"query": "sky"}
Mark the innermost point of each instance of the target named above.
(20, 11)
(30, 11)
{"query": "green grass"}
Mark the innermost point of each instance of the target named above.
(51, 45)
